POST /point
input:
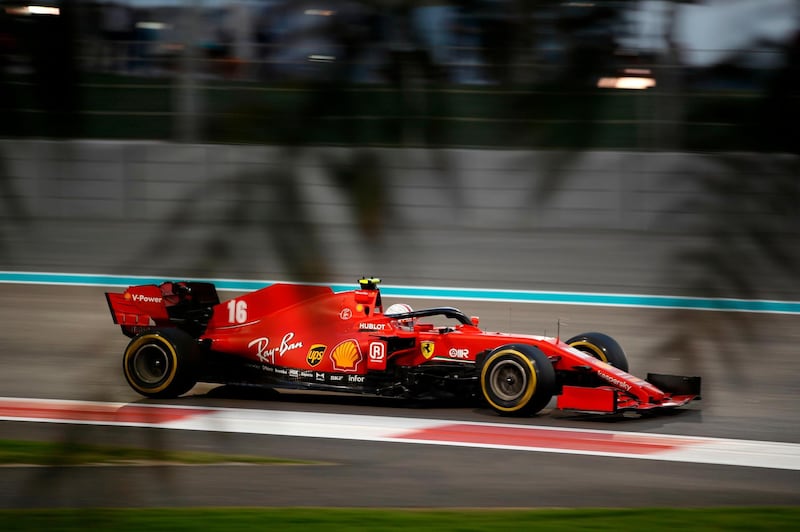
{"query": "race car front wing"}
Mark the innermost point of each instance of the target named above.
(657, 392)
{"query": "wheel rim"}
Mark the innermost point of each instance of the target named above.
(508, 380)
(151, 364)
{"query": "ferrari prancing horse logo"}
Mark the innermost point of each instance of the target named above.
(427, 349)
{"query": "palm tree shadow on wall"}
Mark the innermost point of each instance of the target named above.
(747, 247)
(273, 206)
(274, 203)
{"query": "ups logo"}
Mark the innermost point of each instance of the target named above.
(315, 354)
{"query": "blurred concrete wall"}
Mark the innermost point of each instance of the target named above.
(608, 221)
(142, 181)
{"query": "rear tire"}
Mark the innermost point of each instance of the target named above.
(517, 380)
(161, 363)
(602, 347)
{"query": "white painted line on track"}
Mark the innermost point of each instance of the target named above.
(636, 445)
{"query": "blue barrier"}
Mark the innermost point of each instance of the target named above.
(423, 292)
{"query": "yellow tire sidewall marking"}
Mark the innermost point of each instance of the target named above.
(531, 387)
(170, 350)
(595, 351)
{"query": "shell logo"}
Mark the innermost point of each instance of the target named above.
(346, 356)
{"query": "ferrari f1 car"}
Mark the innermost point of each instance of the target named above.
(310, 337)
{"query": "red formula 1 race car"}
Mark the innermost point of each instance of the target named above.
(310, 337)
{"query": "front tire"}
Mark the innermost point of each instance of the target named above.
(161, 363)
(602, 347)
(517, 380)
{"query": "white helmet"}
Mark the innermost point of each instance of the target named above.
(398, 308)
(401, 308)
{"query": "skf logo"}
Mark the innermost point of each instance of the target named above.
(346, 356)
(315, 354)
(427, 349)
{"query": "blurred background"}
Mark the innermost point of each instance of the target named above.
(632, 147)
(621, 146)
(648, 74)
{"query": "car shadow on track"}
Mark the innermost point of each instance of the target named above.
(254, 397)
(227, 393)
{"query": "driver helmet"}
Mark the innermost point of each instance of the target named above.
(401, 308)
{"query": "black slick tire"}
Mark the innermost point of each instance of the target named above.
(602, 347)
(517, 380)
(161, 363)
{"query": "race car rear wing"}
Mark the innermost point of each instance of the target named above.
(187, 305)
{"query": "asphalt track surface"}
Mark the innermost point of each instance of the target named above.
(59, 343)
